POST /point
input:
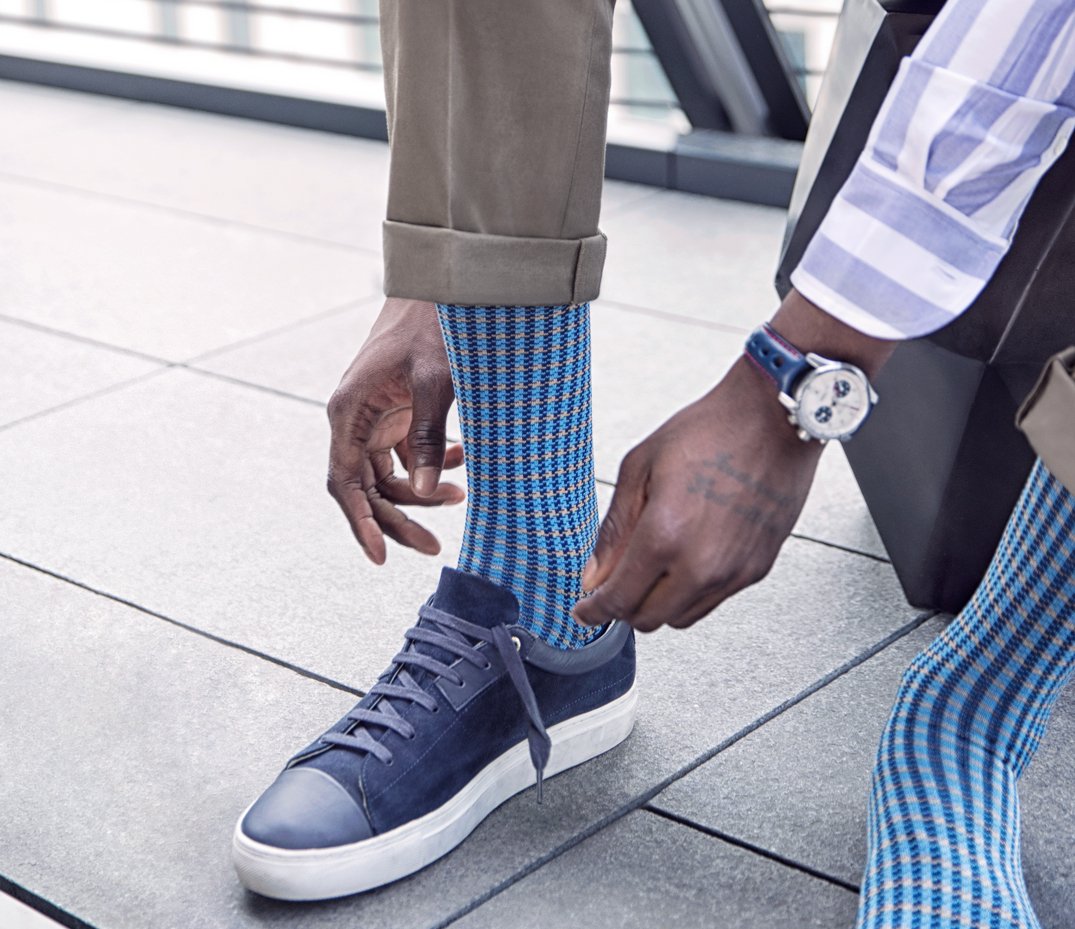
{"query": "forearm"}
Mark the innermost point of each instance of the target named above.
(811, 329)
(973, 120)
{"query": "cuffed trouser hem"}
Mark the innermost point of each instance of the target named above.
(1047, 417)
(474, 269)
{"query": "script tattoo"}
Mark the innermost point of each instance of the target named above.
(706, 485)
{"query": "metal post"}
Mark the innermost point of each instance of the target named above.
(726, 65)
(788, 113)
(238, 25)
(168, 19)
(672, 44)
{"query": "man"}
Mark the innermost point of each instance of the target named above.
(496, 118)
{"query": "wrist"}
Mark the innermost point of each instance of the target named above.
(756, 402)
(810, 329)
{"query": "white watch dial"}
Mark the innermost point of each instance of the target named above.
(833, 402)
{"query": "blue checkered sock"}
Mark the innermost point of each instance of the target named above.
(971, 710)
(522, 387)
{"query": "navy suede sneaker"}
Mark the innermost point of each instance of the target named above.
(473, 710)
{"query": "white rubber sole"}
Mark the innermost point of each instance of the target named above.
(323, 873)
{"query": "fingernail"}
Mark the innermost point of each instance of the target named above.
(589, 573)
(425, 481)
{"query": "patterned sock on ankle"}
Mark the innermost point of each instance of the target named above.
(971, 710)
(522, 387)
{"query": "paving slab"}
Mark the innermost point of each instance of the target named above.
(620, 195)
(40, 370)
(645, 368)
(128, 747)
(798, 785)
(305, 361)
(16, 915)
(41, 112)
(166, 285)
(205, 500)
(275, 177)
(644, 872)
(698, 256)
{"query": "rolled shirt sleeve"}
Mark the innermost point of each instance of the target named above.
(973, 120)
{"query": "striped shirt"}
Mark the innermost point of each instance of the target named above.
(973, 120)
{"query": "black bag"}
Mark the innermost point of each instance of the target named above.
(940, 461)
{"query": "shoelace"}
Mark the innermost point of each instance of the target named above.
(404, 687)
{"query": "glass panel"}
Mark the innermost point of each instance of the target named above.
(807, 28)
(639, 84)
(137, 16)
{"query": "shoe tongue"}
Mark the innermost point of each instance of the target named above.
(471, 598)
(475, 599)
(467, 597)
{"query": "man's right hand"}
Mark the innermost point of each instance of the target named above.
(394, 396)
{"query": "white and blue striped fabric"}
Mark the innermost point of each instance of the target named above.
(974, 119)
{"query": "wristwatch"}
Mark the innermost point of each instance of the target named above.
(825, 399)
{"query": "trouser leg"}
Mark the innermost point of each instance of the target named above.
(496, 115)
(1048, 417)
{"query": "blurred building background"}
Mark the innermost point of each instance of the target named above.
(735, 67)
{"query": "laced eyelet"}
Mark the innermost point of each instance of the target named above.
(436, 708)
(390, 762)
(517, 643)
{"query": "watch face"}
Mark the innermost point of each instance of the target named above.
(833, 402)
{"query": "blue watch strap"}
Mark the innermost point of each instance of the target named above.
(776, 358)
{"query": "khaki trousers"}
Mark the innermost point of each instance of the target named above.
(497, 112)
(1047, 417)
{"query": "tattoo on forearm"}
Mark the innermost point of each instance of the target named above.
(705, 486)
(723, 464)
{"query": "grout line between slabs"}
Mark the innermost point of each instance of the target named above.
(187, 627)
(649, 794)
(749, 847)
(46, 908)
(623, 207)
(92, 395)
(280, 330)
(84, 339)
(178, 212)
(673, 317)
(166, 365)
(804, 537)
(251, 385)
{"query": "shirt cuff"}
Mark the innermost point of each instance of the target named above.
(892, 261)
(931, 207)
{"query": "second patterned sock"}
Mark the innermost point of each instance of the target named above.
(944, 812)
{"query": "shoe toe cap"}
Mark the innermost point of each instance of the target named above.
(305, 808)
